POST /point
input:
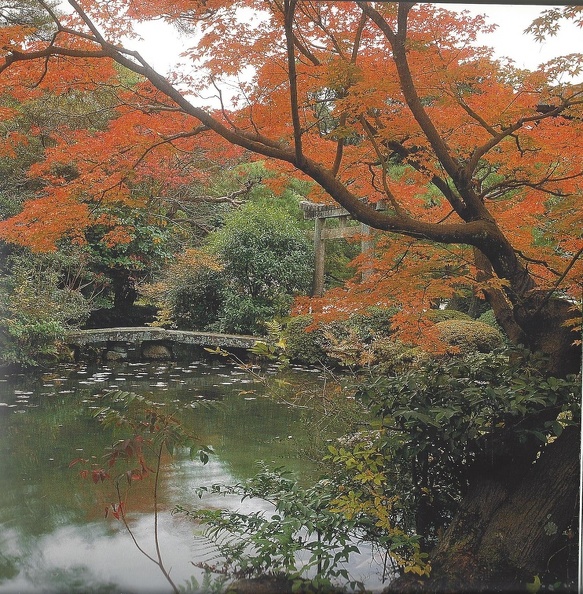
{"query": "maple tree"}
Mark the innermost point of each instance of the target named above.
(475, 162)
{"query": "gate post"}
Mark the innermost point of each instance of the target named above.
(366, 247)
(319, 257)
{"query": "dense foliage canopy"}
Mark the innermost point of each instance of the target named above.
(460, 148)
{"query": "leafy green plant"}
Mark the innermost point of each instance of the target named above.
(188, 293)
(247, 273)
(302, 535)
(366, 494)
(341, 342)
(435, 420)
(303, 346)
(398, 483)
(274, 348)
(489, 318)
(38, 304)
(391, 356)
(208, 585)
(469, 335)
(126, 246)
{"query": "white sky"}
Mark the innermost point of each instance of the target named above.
(510, 41)
(162, 46)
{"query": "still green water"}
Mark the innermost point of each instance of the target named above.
(54, 537)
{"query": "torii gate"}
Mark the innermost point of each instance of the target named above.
(319, 213)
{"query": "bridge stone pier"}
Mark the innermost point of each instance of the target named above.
(150, 344)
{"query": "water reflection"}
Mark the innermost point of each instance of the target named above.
(54, 537)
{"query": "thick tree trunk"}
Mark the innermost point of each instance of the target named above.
(542, 321)
(534, 318)
(508, 529)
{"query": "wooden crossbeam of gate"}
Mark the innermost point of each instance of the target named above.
(320, 213)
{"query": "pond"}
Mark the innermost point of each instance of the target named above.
(54, 537)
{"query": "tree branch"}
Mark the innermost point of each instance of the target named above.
(396, 206)
(344, 117)
(289, 9)
(474, 208)
(558, 282)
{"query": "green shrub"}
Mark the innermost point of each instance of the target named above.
(243, 314)
(437, 419)
(376, 322)
(443, 315)
(188, 294)
(31, 342)
(398, 484)
(345, 342)
(246, 274)
(303, 346)
(489, 318)
(195, 303)
(469, 335)
(365, 339)
(37, 307)
(266, 259)
(392, 356)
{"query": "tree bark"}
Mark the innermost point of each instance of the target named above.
(534, 318)
(542, 320)
(508, 528)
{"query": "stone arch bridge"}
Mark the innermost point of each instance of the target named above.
(150, 343)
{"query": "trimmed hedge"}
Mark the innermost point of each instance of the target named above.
(373, 334)
(470, 335)
(393, 357)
